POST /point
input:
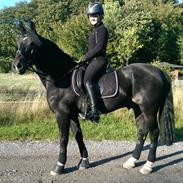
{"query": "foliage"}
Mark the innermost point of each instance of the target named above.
(180, 43)
(143, 31)
(9, 33)
(73, 35)
(112, 21)
(139, 31)
(165, 68)
(134, 29)
(169, 27)
(48, 14)
(5, 64)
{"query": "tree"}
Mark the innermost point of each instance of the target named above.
(133, 31)
(168, 18)
(73, 35)
(139, 31)
(112, 20)
(148, 31)
(9, 33)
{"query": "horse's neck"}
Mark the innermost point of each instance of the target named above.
(53, 65)
(45, 81)
(51, 59)
(50, 82)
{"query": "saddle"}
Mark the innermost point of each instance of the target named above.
(107, 86)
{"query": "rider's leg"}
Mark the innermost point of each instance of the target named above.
(94, 113)
(94, 71)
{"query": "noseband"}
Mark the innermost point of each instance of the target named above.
(29, 61)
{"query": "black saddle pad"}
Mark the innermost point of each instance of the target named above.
(107, 86)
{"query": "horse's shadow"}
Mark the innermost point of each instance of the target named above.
(102, 161)
(106, 160)
(99, 162)
(159, 167)
(155, 169)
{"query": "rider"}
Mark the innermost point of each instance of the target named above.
(96, 56)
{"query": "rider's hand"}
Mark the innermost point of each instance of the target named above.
(81, 60)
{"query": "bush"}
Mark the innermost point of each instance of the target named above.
(180, 44)
(5, 64)
(73, 36)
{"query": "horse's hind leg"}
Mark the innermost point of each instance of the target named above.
(142, 131)
(76, 129)
(153, 134)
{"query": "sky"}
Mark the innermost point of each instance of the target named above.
(7, 3)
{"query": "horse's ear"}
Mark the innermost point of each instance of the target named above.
(20, 26)
(33, 33)
(32, 25)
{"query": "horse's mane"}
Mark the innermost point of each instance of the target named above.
(52, 60)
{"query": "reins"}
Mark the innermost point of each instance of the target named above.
(43, 76)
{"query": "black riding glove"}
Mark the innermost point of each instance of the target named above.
(82, 61)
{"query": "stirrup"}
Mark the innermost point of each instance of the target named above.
(94, 116)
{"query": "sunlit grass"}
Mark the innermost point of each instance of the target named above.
(14, 87)
(178, 103)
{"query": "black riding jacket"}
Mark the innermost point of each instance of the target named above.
(97, 43)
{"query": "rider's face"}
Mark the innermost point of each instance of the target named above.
(94, 19)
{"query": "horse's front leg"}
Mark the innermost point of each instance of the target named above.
(76, 129)
(63, 121)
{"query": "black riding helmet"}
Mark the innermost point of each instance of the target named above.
(95, 8)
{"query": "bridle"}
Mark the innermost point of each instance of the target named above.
(30, 67)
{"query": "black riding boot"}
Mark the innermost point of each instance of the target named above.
(93, 115)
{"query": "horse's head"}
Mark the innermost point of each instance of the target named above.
(28, 45)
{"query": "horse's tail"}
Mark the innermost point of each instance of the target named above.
(166, 113)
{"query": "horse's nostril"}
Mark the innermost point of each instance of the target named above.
(19, 66)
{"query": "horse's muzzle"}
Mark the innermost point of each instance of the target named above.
(19, 67)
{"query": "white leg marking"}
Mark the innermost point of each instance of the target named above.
(59, 164)
(130, 163)
(53, 173)
(147, 168)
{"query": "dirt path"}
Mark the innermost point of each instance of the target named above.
(31, 162)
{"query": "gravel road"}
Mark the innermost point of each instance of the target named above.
(31, 162)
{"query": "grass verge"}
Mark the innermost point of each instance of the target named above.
(48, 130)
(24, 114)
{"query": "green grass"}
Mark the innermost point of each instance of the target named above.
(44, 126)
(25, 115)
(30, 131)
(110, 128)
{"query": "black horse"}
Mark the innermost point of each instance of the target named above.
(144, 88)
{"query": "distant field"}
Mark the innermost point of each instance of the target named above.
(14, 87)
(24, 114)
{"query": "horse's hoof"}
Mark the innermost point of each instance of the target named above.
(57, 170)
(145, 171)
(83, 164)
